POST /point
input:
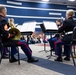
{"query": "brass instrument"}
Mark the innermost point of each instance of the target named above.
(14, 30)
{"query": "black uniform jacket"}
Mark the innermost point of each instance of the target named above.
(68, 26)
(4, 34)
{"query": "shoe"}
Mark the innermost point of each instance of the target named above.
(52, 49)
(32, 60)
(5, 56)
(59, 59)
(13, 60)
(67, 58)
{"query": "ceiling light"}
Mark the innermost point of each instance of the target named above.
(12, 2)
(45, 0)
(71, 0)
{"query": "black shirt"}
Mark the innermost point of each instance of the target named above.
(68, 25)
(3, 22)
(4, 34)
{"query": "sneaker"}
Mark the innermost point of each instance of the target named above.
(59, 59)
(32, 60)
(67, 58)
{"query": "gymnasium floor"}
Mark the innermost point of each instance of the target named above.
(45, 66)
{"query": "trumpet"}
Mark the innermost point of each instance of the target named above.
(13, 29)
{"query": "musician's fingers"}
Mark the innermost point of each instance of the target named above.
(9, 35)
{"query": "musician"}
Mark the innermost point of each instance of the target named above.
(5, 53)
(67, 27)
(6, 38)
(56, 38)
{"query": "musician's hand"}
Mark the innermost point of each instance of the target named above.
(5, 27)
(11, 35)
(61, 25)
(62, 35)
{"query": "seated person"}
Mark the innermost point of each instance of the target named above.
(67, 27)
(56, 38)
(7, 41)
(44, 38)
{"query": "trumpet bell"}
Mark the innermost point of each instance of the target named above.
(18, 33)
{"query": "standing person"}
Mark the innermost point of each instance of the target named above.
(67, 27)
(6, 38)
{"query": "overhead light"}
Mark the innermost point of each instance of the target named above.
(71, 0)
(12, 2)
(45, 0)
(54, 13)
